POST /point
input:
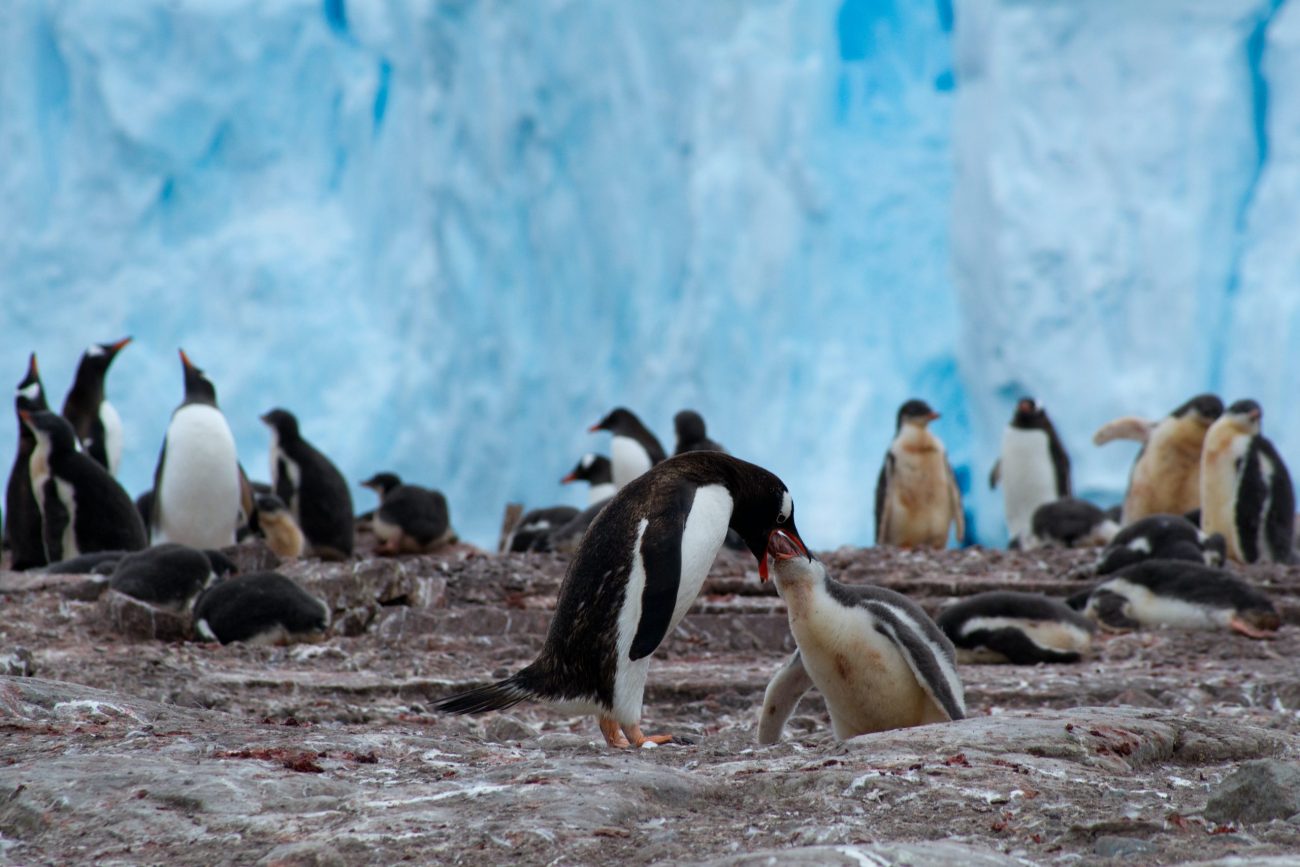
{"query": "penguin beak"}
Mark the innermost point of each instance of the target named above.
(595, 427)
(781, 545)
(25, 416)
(185, 360)
(569, 478)
(32, 370)
(115, 348)
(932, 416)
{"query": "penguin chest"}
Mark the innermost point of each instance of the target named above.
(112, 425)
(628, 459)
(199, 494)
(866, 682)
(1220, 477)
(1028, 477)
(917, 498)
(286, 477)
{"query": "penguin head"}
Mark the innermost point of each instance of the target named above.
(690, 426)
(1204, 408)
(221, 564)
(198, 388)
(1245, 415)
(1029, 414)
(283, 423)
(591, 468)
(762, 508)
(98, 356)
(382, 483)
(915, 412)
(270, 504)
(54, 431)
(30, 395)
(619, 421)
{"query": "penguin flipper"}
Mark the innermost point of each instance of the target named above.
(1127, 428)
(931, 663)
(954, 502)
(155, 502)
(882, 487)
(780, 699)
(995, 474)
(54, 521)
(661, 555)
(1279, 523)
(1020, 649)
(283, 484)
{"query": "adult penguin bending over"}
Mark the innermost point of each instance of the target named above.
(636, 573)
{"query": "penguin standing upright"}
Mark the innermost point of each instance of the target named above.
(197, 489)
(637, 571)
(874, 655)
(98, 426)
(691, 434)
(22, 518)
(1033, 467)
(1166, 476)
(83, 508)
(916, 494)
(633, 449)
(598, 473)
(1246, 491)
(277, 525)
(312, 487)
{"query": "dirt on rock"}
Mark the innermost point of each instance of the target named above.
(121, 748)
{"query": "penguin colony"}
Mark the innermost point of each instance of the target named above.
(1207, 489)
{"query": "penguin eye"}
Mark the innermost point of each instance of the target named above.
(780, 519)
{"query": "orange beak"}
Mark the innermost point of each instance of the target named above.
(782, 545)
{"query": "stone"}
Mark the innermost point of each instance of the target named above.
(1110, 846)
(503, 728)
(1256, 792)
(140, 620)
(18, 662)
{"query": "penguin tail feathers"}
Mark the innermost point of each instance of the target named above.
(495, 696)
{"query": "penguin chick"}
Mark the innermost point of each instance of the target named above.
(83, 508)
(1032, 467)
(311, 486)
(22, 515)
(1246, 491)
(1166, 475)
(691, 435)
(410, 519)
(279, 528)
(636, 573)
(1019, 628)
(1161, 537)
(1181, 595)
(168, 575)
(558, 529)
(261, 608)
(916, 494)
(98, 563)
(876, 657)
(633, 449)
(98, 426)
(1069, 523)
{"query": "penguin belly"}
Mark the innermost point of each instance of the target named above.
(918, 501)
(1166, 479)
(1147, 608)
(628, 458)
(1047, 634)
(1028, 478)
(112, 424)
(199, 496)
(1220, 479)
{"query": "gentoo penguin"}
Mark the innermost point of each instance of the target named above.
(22, 517)
(97, 563)
(260, 607)
(83, 509)
(312, 487)
(278, 527)
(916, 495)
(1032, 468)
(691, 436)
(1166, 477)
(1161, 537)
(410, 519)
(1180, 595)
(1019, 628)
(633, 449)
(1069, 523)
(598, 473)
(98, 426)
(550, 529)
(532, 531)
(636, 573)
(876, 657)
(169, 575)
(197, 488)
(1246, 491)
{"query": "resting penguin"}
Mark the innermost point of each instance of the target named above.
(279, 528)
(533, 529)
(1166, 476)
(1246, 491)
(877, 658)
(260, 607)
(312, 487)
(98, 426)
(633, 449)
(691, 435)
(1161, 537)
(1069, 523)
(1033, 467)
(169, 575)
(410, 519)
(197, 483)
(1181, 595)
(1019, 628)
(916, 494)
(637, 571)
(98, 563)
(83, 509)
(22, 516)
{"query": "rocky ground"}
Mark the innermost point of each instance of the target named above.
(126, 749)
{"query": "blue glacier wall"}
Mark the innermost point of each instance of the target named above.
(449, 236)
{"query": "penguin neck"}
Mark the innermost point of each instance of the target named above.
(600, 492)
(914, 438)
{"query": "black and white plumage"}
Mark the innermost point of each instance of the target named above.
(83, 508)
(917, 498)
(262, 607)
(533, 530)
(1161, 537)
(197, 485)
(22, 517)
(1019, 628)
(559, 528)
(98, 426)
(1246, 492)
(410, 519)
(1181, 595)
(1032, 467)
(692, 435)
(168, 575)
(598, 472)
(637, 571)
(1166, 476)
(96, 563)
(1069, 523)
(314, 490)
(633, 448)
(876, 657)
